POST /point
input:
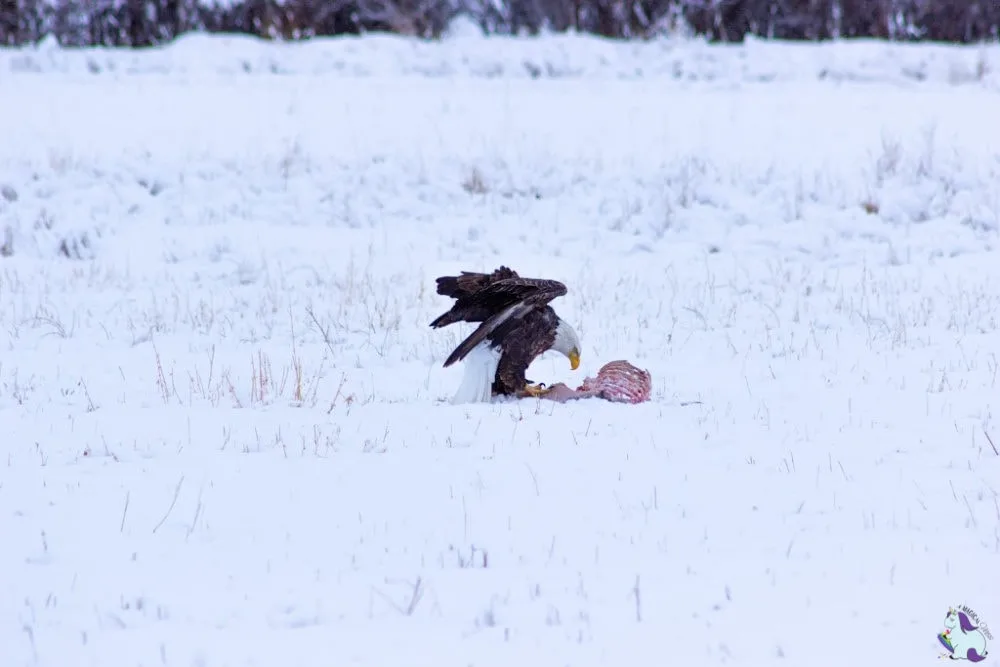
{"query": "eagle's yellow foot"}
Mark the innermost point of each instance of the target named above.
(536, 390)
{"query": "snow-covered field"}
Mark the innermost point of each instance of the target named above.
(225, 430)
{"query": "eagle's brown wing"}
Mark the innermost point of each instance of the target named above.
(469, 282)
(479, 296)
(506, 300)
(464, 288)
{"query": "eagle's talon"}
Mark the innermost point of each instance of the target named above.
(536, 390)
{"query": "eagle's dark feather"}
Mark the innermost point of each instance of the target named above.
(515, 318)
(535, 335)
(479, 296)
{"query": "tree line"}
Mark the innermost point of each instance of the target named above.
(140, 23)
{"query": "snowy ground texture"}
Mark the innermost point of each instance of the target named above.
(226, 439)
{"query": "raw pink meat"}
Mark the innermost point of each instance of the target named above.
(621, 382)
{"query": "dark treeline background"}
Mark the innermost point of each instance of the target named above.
(138, 23)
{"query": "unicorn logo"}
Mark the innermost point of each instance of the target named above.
(964, 640)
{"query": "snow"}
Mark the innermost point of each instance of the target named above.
(467, 54)
(227, 435)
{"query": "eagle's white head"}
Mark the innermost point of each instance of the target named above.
(567, 343)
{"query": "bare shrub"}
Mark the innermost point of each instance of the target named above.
(139, 23)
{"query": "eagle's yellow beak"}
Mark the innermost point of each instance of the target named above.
(574, 358)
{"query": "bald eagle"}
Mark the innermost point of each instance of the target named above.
(516, 325)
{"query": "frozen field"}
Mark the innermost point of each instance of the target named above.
(225, 430)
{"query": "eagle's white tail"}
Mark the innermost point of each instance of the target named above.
(477, 381)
